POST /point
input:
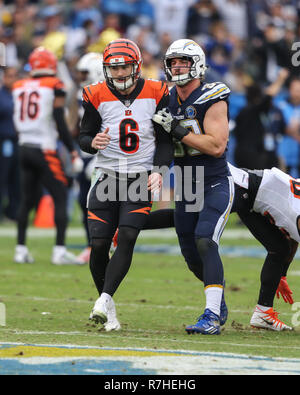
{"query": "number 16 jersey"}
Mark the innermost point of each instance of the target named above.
(33, 109)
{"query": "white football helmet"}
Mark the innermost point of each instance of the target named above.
(191, 51)
(92, 64)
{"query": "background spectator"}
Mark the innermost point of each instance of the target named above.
(9, 174)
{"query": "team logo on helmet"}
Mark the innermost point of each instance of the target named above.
(191, 51)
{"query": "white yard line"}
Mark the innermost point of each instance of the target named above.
(190, 339)
(146, 234)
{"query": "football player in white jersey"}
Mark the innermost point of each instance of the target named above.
(39, 120)
(267, 201)
(117, 126)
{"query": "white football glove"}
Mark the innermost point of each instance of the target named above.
(164, 118)
(171, 125)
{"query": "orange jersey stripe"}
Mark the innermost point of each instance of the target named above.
(154, 90)
(101, 93)
(93, 216)
(144, 210)
(49, 82)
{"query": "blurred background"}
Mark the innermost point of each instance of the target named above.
(251, 45)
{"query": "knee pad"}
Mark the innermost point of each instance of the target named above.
(100, 245)
(204, 244)
(191, 255)
(127, 235)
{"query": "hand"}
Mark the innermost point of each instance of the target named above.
(164, 118)
(74, 155)
(284, 290)
(101, 140)
(171, 125)
(154, 182)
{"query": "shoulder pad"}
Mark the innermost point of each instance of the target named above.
(213, 91)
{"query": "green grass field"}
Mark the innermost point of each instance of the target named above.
(46, 304)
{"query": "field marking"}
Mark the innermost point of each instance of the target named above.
(136, 305)
(145, 234)
(22, 358)
(144, 350)
(187, 341)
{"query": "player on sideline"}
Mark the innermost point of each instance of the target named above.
(39, 118)
(117, 126)
(198, 120)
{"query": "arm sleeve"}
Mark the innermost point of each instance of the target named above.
(164, 144)
(89, 127)
(63, 131)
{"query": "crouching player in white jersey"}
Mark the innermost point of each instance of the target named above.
(39, 119)
(268, 203)
(117, 126)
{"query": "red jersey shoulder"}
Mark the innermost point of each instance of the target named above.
(97, 93)
(154, 89)
(49, 82)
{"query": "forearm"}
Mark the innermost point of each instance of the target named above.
(85, 143)
(63, 131)
(205, 143)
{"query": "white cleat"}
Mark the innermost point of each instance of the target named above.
(65, 258)
(268, 320)
(104, 312)
(22, 255)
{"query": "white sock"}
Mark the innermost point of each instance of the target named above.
(263, 308)
(21, 248)
(105, 298)
(59, 250)
(213, 299)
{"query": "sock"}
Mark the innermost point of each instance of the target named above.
(21, 248)
(105, 298)
(59, 250)
(213, 299)
(263, 308)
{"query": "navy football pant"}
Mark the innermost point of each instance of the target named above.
(199, 232)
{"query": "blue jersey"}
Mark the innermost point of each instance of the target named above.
(191, 115)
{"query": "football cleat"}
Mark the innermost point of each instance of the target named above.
(104, 312)
(208, 324)
(84, 256)
(223, 309)
(223, 312)
(65, 258)
(268, 320)
(22, 255)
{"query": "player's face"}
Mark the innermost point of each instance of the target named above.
(180, 66)
(121, 73)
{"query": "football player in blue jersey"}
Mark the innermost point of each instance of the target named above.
(197, 118)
